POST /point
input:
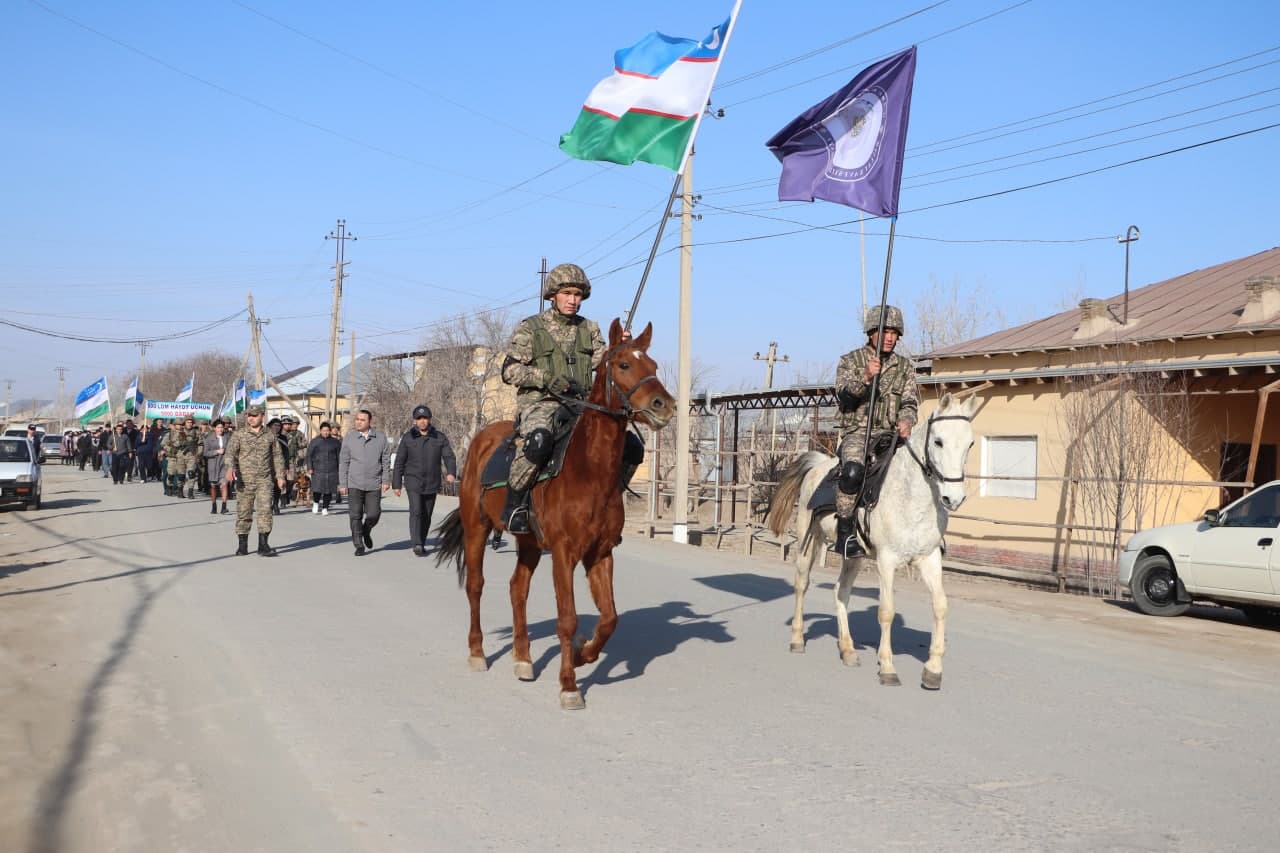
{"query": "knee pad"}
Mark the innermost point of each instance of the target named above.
(851, 477)
(538, 446)
(632, 450)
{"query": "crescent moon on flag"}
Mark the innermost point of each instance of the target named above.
(714, 44)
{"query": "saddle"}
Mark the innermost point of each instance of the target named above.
(883, 446)
(498, 465)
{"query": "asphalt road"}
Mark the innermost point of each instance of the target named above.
(159, 694)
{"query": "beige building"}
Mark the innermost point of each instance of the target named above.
(1126, 413)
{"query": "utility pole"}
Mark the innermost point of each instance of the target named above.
(341, 236)
(255, 338)
(770, 360)
(684, 393)
(542, 282)
(62, 376)
(351, 400)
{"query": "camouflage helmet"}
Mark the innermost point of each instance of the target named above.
(566, 275)
(892, 319)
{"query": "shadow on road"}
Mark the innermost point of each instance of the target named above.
(643, 636)
(58, 790)
(304, 544)
(864, 625)
(68, 503)
(760, 588)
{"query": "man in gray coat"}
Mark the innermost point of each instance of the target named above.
(364, 474)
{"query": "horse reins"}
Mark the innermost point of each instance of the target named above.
(926, 465)
(611, 387)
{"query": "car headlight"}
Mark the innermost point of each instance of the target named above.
(24, 478)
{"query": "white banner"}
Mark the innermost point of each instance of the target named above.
(179, 411)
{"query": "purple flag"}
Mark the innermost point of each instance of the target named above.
(848, 149)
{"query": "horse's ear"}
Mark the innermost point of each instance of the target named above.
(642, 340)
(945, 402)
(971, 406)
(615, 332)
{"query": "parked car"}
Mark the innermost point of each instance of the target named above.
(1228, 557)
(19, 473)
(51, 447)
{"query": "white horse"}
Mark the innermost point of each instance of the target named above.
(924, 483)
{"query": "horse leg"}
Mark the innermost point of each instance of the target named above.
(527, 556)
(886, 564)
(473, 554)
(562, 567)
(931, 572)
(848, 574)
(804, 566)
(600, 577)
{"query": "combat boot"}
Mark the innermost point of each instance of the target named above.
(243, 550)
(516, 512)
(264, 547)
(847, 544)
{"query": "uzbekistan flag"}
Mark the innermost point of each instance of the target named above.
(239, 396)
(131, 398)
(93, 402)
(648, 109)
(257, 396)
(184, 396)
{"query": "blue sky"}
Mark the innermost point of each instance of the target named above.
(164, 158)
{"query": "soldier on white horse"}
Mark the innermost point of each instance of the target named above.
(896, 409)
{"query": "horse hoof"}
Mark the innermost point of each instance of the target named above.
(478, 664)
(524, 670)
(850, 659)
(797, 648)
(930, 680)
(890, 679)
(571, 700)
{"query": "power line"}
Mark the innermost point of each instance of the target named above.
(821, 50)
(132, 341)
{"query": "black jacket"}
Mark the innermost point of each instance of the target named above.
(419, 459)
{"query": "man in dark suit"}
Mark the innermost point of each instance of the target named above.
(422, 454)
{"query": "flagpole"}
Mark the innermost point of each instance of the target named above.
(688, 149)
(884, 304)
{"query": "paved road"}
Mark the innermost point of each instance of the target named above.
(161, 695)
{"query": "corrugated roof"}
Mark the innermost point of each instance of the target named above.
(316, 379)
(1203, 302)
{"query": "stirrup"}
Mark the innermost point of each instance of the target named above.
(849, 546)
(518, 519)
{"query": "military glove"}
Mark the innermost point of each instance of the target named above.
(564, 386)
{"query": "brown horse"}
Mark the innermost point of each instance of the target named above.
(579, 513)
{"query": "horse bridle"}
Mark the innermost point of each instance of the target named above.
(611, 387)
(926, 465)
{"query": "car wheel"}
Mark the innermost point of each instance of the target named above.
(1155, 587)
(1261, 615)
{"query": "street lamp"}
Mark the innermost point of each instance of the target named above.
(1131, 235)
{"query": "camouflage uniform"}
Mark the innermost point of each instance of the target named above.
(182, 458)
(897, 399)
(258, 462)
(543, 346)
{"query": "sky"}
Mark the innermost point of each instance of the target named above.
(162, 160)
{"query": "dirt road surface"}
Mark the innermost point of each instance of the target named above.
(159, 694)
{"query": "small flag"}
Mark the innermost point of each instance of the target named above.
(257, 396)
(239, 397)
(848, 149)
(648, 108)
(132, 398)
(184, 396)
(93, 401)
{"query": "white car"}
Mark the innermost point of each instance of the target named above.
(1228, 557)
(19, 473)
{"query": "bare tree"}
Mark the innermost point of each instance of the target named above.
(216, 373)
(944, 314)
(1126, 436)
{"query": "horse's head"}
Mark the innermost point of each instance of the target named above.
(630, 379)
(948, 438)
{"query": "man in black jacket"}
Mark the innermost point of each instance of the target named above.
(423, 451)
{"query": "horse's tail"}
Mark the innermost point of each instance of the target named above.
(788, 491)
(451, 542)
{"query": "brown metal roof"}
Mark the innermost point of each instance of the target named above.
(1203, 302)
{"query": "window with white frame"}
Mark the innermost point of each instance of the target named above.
(1008, 456)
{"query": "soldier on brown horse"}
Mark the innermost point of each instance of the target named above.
(578, 514)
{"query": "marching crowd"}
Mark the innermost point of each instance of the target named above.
(267, 468)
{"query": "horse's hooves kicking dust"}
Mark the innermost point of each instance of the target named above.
(890, 679)
(571, 700)
(930, 680)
